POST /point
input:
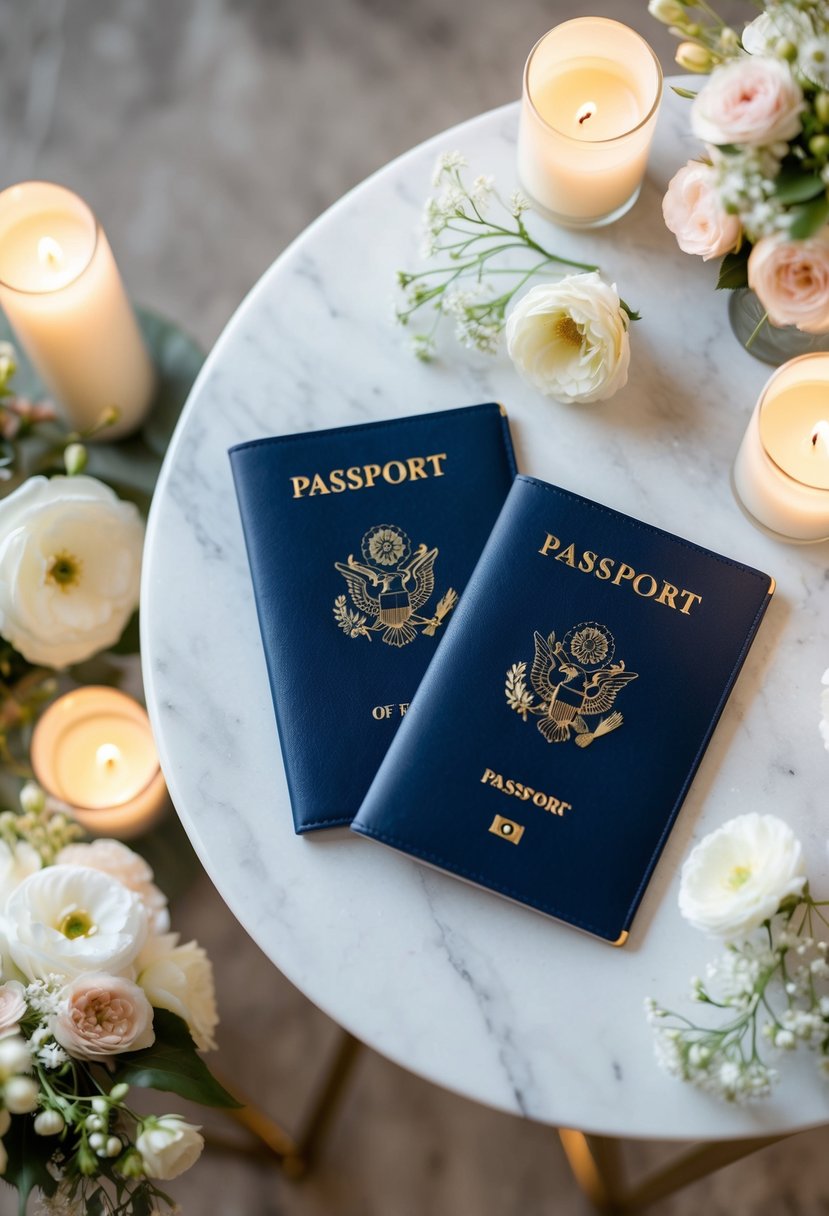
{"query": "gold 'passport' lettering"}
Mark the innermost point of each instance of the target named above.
(517, 789)
(365, 476)
(619, 574)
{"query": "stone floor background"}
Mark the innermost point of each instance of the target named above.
(206, 134)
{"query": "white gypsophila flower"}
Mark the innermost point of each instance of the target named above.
(752, 101)
(17, 862)
(746, 186)
(765, 33)
(482, 188)
(447, 162)
(179, 978)
(813, 61)
(737, 877)
(518, 203)
(116, 859)
(737, 971)
(824, 709)
(51, 1056)
(570, 339)
(70, 563)
(43, 997)
(168, 1146)
(67, 920)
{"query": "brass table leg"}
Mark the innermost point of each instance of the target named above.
(595, 1162)
(295, 1153)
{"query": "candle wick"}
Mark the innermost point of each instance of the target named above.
(586, 111)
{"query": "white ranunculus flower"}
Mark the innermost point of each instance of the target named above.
(570, 339)
(168, 1146)
(66, 920)
(16, 863)
(116, 859)
(70, 563)
(738, 876)
(762, 35)
(813, 61)
(824, 708)
(180, 979)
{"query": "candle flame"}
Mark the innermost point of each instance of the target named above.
(108, 756)
(820, 432)
(584, 112)
(49, 252)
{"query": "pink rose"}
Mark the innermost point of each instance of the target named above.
(101, 1015)
(130, 869)
(12, 1007)
(791, 279)
(753, 101)
(695, 216)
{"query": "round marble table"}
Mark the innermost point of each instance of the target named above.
(486, 998)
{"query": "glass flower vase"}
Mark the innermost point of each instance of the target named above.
(774, 344)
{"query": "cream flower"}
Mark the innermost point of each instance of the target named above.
(694, 214)
(180, 979)
(70, 561)
(763, 35)
(102, 1015)
(754, 101)
(168, 1146)
(570, 339)
(791, 279)
(17, 862)
(66, 920)
(12, 1007)
(738, 876)
(113, 858)
(824, 708)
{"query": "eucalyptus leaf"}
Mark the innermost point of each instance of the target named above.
(173, 1064)
(734, 270)
(683, 92)
(29, 1156)
(808, 218)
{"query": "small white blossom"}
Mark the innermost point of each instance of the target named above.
(518, 203)
(52, 1055)
(813, 61)
(446, 163)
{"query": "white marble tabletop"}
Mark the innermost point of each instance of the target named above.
(486, 998)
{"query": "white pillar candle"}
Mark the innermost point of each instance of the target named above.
(781, 474)
(591, 95)
(93, 749)
(63, 296)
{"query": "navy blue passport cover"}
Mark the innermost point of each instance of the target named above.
(550, 746)
(359, 541)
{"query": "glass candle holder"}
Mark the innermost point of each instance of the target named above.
(781, 474)
(93, 749)
(591, 95)
(65, 301)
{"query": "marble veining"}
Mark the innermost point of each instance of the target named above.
(488, 999)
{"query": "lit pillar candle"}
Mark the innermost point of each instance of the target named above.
(63, 296)
(93, 749)
(591, 95)
(781, 474)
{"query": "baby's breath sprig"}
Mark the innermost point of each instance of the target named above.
(472, 244)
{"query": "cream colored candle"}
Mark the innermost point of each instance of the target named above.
(591, 95)
(93, 749)
(781, 474)
(63, 296)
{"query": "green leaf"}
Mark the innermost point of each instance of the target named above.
(808, 218)
(129, 642)
(28, 1157)
(734, 270)
(683, 92)
(792, 186)
(633, 315)
(173, 1064)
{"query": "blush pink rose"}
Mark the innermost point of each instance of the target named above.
(694, 214)
(12, 1007)
(101, 1015)
(791, 279)
(754, 101)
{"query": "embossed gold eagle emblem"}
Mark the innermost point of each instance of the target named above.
(389, 587)
(574, 679)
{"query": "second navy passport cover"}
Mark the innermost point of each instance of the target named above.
(360, 541)
(552, 742)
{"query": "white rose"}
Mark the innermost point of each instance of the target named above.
(70, 563)
(791, 279)
(738, 876)
(102, 1015)
(570, 339)
(824, 708)
(113, 858)
(16, 863)
(694, 214)
(762, 35)
(753, 101)
(168, 1146)
(66, 920)
(180, 979)
(12, 1007)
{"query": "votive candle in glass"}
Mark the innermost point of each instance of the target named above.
(781, 474)
(65, 301)
(592, 88)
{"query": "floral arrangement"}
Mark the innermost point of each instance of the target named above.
(569, 339)
(759, 196)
